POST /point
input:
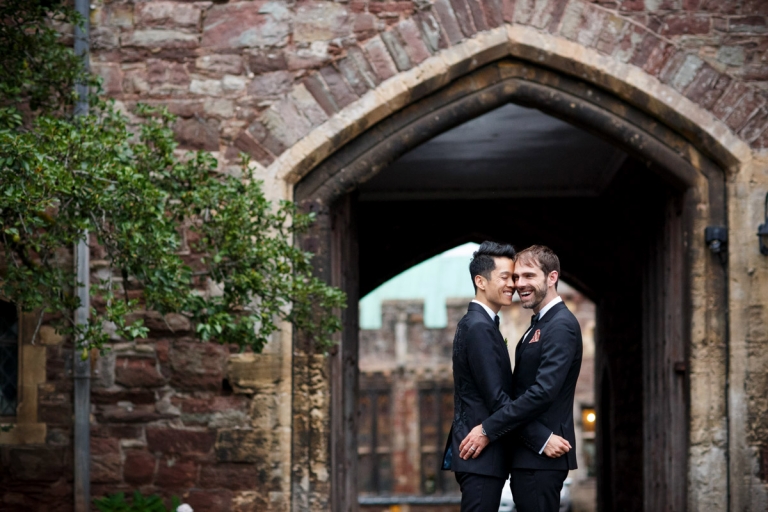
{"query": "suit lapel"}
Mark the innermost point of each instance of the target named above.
(540, 325)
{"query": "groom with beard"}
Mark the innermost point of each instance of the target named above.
(484, 388)
(547, 364)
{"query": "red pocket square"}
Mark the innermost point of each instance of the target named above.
(536, 336)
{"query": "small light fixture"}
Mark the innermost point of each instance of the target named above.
(716, 237)
(762, 231)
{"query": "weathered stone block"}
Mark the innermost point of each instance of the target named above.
(219, 500)
(448, 21)
(271, 85)
(220, 65)
(236, 477)
(396, 50)
(379, 58)
(414, 45)
(195, 133)
(133, 372)
(130, 414)
(342, 94)
(176, 474)
(686, 24)
(463, 17)
(156, 38)
(169, 14)
(139, 467)
(321, 21)
(245, 25)
(105, 460)
(177, 441)
(40, 463)
(239, 445)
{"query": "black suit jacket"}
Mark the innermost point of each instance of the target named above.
(544, 384)
(482, 383)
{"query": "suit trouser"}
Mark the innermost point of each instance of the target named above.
(480, 493)
(537, 490)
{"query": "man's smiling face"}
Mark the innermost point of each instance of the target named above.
(500, 287)
(531, 284)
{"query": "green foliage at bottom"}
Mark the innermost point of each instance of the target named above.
(118, 503)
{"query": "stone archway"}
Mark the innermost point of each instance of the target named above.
(678, 162)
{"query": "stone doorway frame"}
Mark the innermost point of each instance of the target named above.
(323, 456)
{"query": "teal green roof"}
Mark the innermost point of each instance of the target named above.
(433, 281)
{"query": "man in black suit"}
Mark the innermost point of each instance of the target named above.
(547, 364)
(483, 380)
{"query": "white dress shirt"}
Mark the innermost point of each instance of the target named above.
(487, 309)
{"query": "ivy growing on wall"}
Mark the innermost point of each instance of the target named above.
(177, 235)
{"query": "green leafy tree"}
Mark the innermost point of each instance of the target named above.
(178, 236)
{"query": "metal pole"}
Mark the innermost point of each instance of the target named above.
(82, 366)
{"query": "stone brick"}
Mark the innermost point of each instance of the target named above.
(494, 14)
(748, 24)
(729, 99)
(176, 474)
(172, 323)
(448, 21)
(508, 10)
(748, 106)
(139, 467)
(271, 85)
(177, 441)
(317, 88)
(219, 500)
(195, 133)
(659, 58)
(321, 21)
(168, 14)
(397, 51)
(43, 464)
(157, 38)
(683, 75)
(285, 123)
(686, 24)
(414, 44)
(236, 477)
(755, 126)
(220, 65)
(104, 38)
(239, 445)
(353, 76)
(610, 35)
(431, 32)
(366, 25)
(631, 39)
(707, 87)
(134, 372)
(102, 396)
(245, 25)
(339, 89)
(247, 144)
(111, 82)
(308, 106)
(197, 365)
(105, 460)
(263, 61)
(478, 15)
(572, 19)
(263, 137)
(130, 414)
(463, 17)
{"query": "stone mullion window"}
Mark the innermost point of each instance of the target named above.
(9, 361)
(23, 368)
(375, 439)
(435, 418)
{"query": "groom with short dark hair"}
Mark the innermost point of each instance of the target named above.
(547, 365)
(483, 383)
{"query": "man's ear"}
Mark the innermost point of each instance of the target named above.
(480, 282)
(552, 278)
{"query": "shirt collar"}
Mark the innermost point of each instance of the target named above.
(487, 309)
(550, 305)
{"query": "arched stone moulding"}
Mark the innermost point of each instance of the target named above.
(702, 128)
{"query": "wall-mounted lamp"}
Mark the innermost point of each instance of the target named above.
(762, 231)
(716, 237)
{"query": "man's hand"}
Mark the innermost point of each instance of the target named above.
(556, 447)
(473, 444)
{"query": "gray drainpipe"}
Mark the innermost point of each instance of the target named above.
(82, 368)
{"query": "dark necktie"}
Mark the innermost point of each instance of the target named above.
(534, 319)
(496, 321)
